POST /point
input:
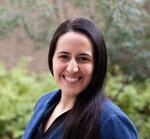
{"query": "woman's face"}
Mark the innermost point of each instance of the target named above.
(73, 63)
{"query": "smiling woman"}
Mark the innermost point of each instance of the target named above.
(79, 109)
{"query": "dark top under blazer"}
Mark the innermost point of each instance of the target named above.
(114, 122)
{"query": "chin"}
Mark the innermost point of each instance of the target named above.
(72, 92)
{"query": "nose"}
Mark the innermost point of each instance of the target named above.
(72, 66)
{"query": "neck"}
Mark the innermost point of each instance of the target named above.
(66, 103)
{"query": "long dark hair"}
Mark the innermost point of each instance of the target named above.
(83, 121)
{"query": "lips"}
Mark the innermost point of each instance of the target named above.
(72, 79)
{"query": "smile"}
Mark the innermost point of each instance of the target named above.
(72, 79)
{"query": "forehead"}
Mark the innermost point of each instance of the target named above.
(74, 40)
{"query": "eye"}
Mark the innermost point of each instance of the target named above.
(64, 57)
(83, 59)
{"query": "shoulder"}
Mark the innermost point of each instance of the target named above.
(115, 123)
(47, 98)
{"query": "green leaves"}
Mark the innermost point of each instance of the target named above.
(133, 98)
(19, 91)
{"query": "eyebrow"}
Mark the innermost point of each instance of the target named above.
(85, 54)
(80, 54)
(63, 52)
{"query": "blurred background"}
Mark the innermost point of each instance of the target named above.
(26, 28)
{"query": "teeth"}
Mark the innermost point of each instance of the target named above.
(71, 79)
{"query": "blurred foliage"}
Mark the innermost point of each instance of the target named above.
(36, 17)
(19, 91)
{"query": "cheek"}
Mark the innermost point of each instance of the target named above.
(55, 65)
(88, 71)
(91, 72)
(92, 69)
(58, 68)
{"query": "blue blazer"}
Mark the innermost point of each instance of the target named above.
(114, 122)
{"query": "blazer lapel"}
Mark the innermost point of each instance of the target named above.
(38, 116)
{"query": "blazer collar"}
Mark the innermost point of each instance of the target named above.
(38, 115)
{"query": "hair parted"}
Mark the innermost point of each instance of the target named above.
(83, 121)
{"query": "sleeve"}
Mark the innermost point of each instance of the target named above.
(118, 127)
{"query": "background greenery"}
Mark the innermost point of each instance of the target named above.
(125, 26)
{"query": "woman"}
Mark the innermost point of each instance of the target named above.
(78, 110)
